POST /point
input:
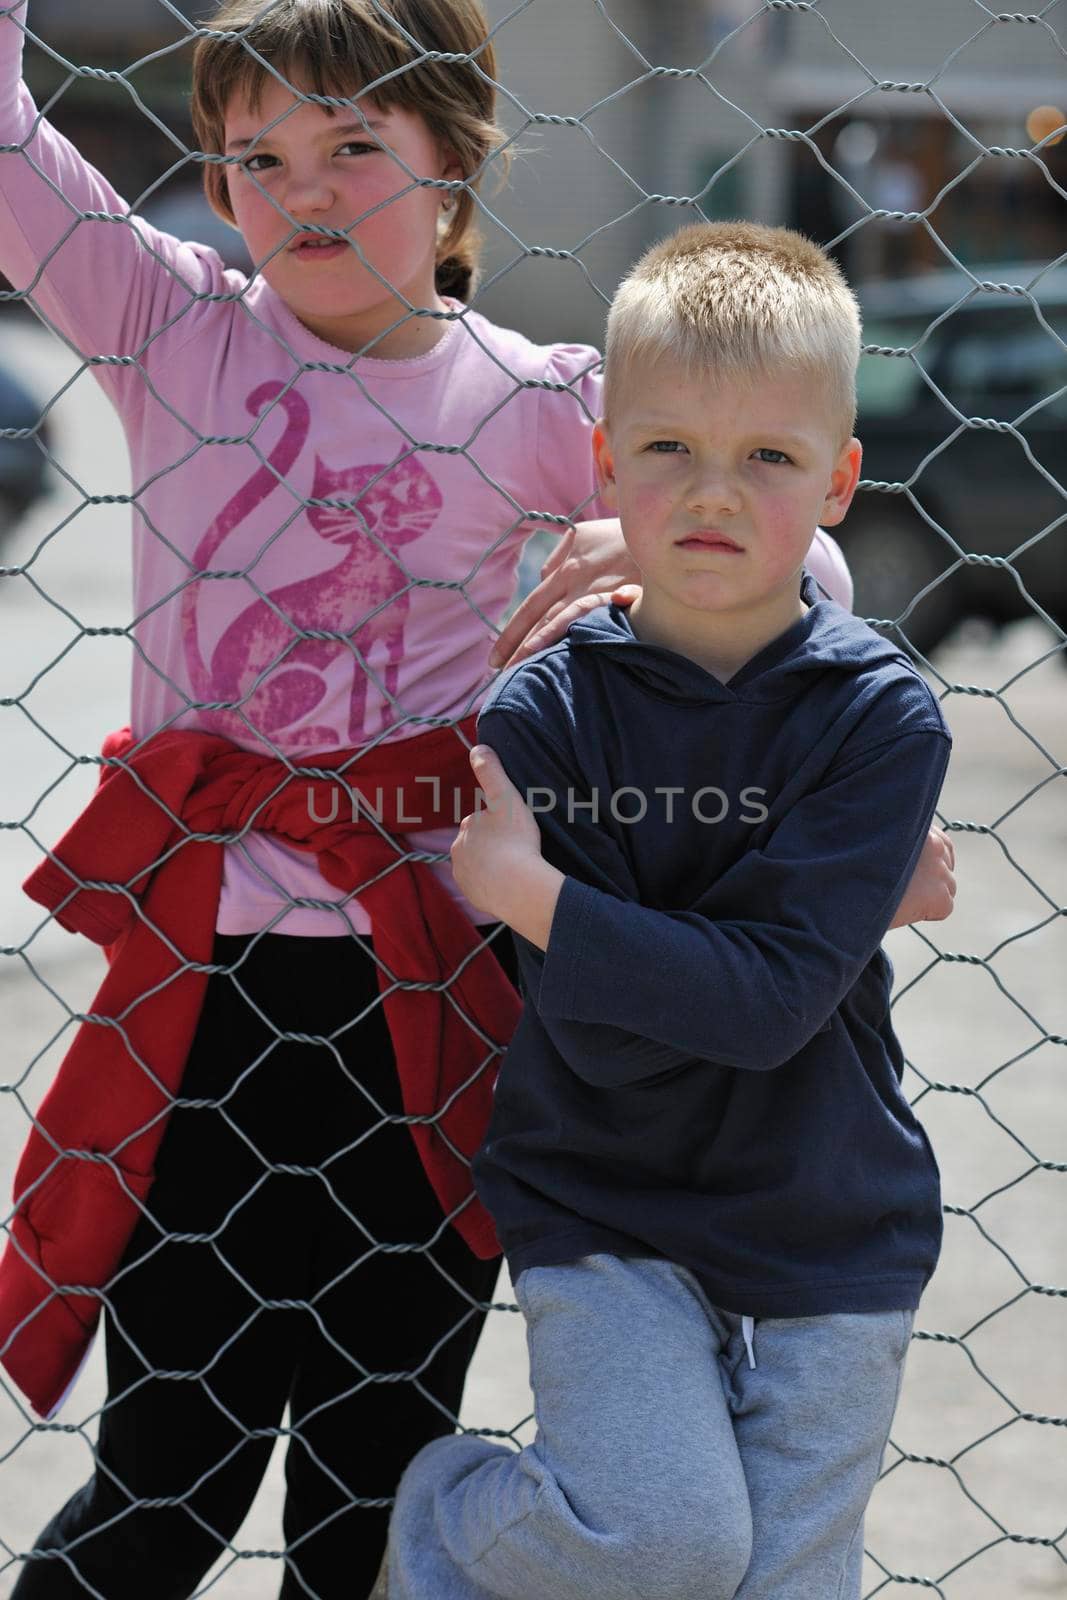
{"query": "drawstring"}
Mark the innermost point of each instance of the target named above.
(748, 1333)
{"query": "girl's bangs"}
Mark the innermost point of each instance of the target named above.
(328, 50)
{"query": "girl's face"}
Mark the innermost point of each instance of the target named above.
(329, 171)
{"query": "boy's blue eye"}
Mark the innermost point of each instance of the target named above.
(666, 446)
(779, 455)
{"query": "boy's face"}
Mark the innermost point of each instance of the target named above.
(328, 171)
(720, 487)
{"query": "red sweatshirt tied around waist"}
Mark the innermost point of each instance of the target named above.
(151, 844)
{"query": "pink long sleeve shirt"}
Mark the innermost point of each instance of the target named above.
(236, 416)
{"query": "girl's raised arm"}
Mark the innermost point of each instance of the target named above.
(103, 282)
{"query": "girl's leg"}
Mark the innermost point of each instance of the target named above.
(633, 1487)
(812, 1420)
(196, 1311)
(187, 1442)
(382, 1366)
(361, 1411)
(273, 1236)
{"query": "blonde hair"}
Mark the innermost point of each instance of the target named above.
(737, 299)
(337, 47)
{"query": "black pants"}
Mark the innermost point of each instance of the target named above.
(247, 1287)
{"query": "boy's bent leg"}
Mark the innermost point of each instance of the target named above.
(811, 1421)
(633, 1486)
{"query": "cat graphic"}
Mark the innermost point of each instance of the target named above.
(261, 663)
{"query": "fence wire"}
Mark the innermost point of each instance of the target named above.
(968, 1506)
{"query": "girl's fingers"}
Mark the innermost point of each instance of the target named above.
(548, 611)
(558, 619)
(548, 630)
(532, 611)
(559, 553)
(544, 634)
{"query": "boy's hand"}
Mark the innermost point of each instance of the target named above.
(929, 895)
(589, 567)
(496, 857)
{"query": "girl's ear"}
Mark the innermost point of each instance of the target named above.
(451, 165)
(604, 460)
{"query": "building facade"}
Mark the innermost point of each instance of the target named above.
(628, 117)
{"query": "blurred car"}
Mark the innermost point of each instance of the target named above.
(995, 491)
(23, 462)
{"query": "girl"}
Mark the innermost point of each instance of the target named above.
(332, 463)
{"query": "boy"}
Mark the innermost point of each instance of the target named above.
(718, 1209)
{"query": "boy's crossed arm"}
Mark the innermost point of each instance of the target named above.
(497, 863)
(931, 892)
(756, 966)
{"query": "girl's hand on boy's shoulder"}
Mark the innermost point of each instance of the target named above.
(931, 893)
(496, 856)
(589, 567)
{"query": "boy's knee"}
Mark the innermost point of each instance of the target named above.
(675, 1557)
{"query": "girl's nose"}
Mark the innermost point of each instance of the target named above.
(308, 194)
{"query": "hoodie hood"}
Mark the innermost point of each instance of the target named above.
(826, 638)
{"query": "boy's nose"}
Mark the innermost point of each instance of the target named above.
(711, 492)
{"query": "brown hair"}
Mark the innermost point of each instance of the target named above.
(338, 47)
(739, 299)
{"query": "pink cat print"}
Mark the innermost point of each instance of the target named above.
(261, 663)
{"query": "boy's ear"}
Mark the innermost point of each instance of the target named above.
(604, 460)
(843, 481)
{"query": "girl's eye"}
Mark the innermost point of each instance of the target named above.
(778, 455)
(249, 164)
(666, 447)
(260, 161)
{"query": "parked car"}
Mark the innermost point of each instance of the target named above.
(988, 492)
(23, 462)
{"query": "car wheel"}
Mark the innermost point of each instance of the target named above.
(892, 557)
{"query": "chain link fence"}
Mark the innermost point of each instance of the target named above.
(957, 532)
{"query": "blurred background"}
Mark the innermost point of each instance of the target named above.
(813, 118)
(949, 120)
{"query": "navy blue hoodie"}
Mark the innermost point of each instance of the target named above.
(704, 1069)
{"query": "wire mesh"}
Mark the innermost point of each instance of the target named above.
(970, 1503)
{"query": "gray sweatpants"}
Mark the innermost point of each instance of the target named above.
(666, 1466)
